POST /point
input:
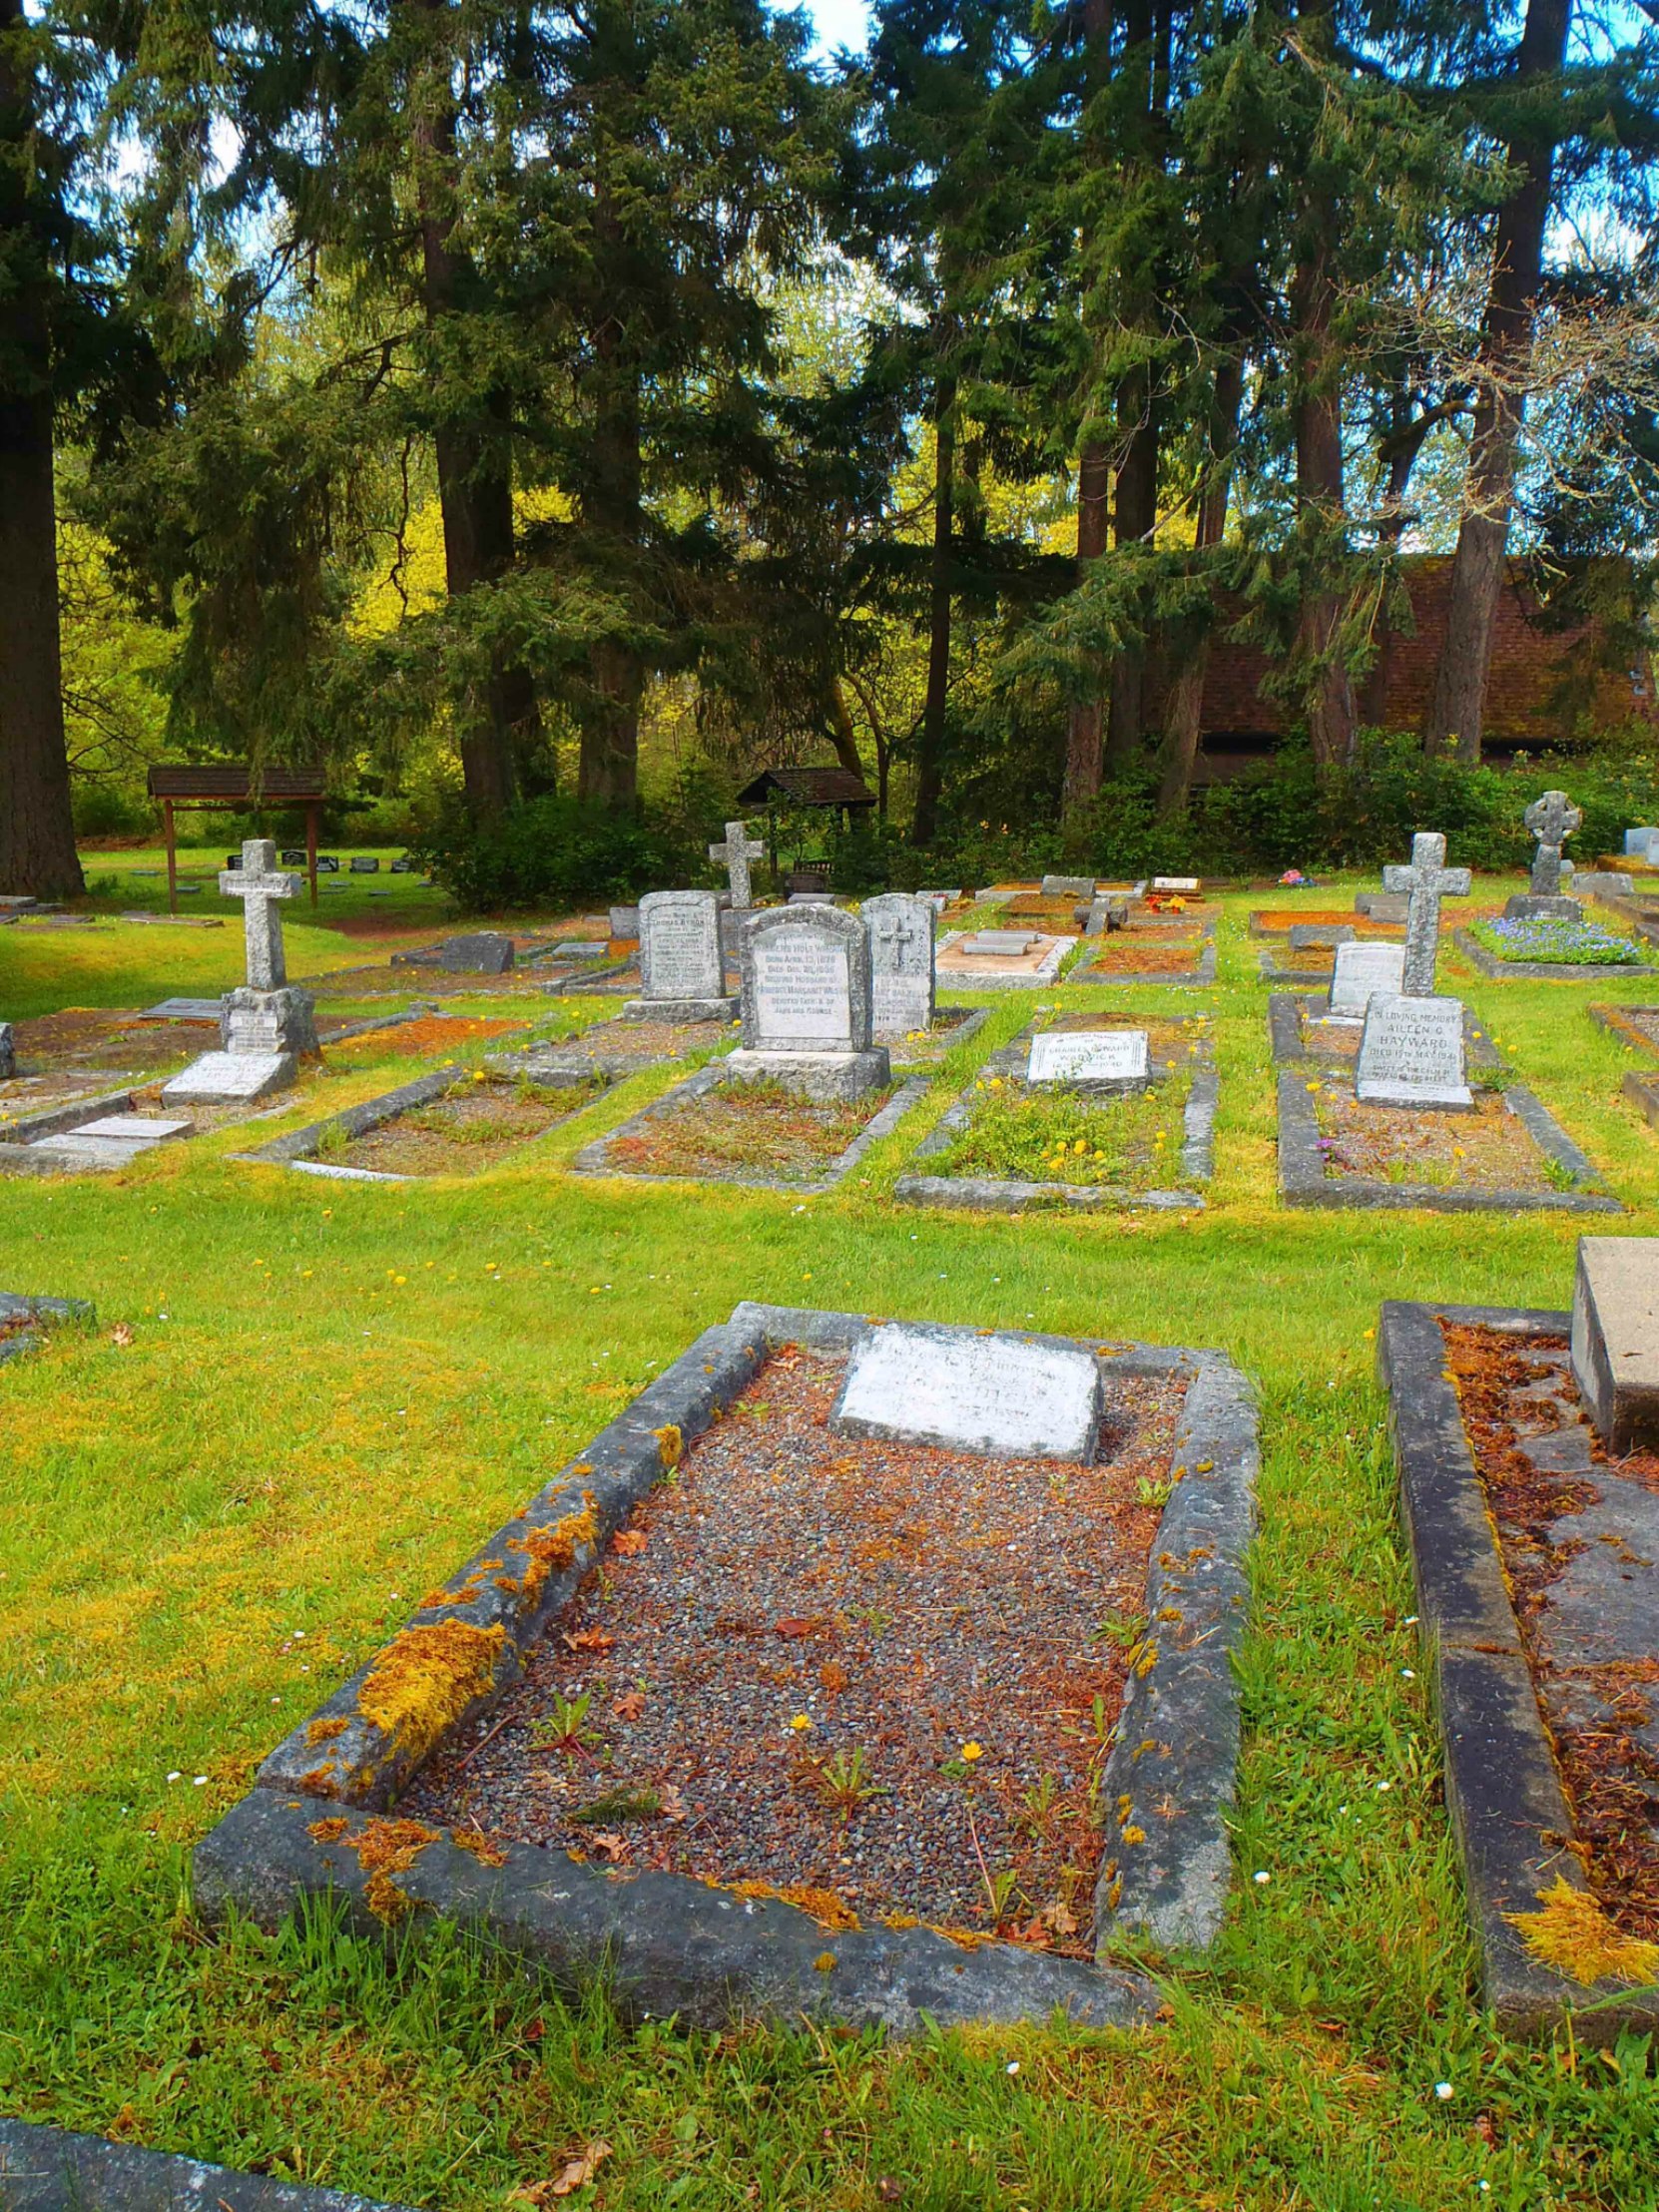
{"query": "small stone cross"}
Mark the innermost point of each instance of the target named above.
(259, 883)
(1428, 881)
(737, 852)
(1552, 821)
(898, 931)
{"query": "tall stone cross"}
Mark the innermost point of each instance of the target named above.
(1428, 881)
(737, 852)
(1552, 821)
(259, 883)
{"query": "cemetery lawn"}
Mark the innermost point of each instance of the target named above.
(304, 1403)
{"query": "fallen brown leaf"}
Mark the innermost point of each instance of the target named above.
(627, 1542)
(674, 1806)
(833, 1676)
(589, 1639)
(576, 2172)
(792, 1630)
(611, 1847)
(629, 1706)
(120, 1333)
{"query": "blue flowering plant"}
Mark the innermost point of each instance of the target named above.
(1566, 943)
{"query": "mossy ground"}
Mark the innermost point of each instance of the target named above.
(334, 1393)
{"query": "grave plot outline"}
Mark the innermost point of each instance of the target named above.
(669, 1944)
(1304, 1182)
(1008, 1195)
(1038, 978)
(1545, 971)
(1200, 979)
(1639, 1085)
(1504, 1794)
(595, 1158)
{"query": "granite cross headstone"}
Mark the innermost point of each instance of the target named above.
(735, 854)
(901, 930)
(1427, 879)
(258, 885)
(1552, 821)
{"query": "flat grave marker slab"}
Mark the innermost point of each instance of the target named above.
(992, 943)
(970, 1393)
(1361, 970)
(1412, 1053)
(1089, 1055)
(777, 1885)
(230, 1078)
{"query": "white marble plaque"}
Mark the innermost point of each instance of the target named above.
(1175, 882)
(224, 1078)
(679, 945)
(802, 991)
(970, 1392)
(1412, 1053)
(1362, 969)
(1088, 1056)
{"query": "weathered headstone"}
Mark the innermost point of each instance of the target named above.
(1615, 1338)
(1176, 883)
(806, 1013)
(1362, 969)
(901, 964)
(1551, 820)
(1310, 936)
(734, 856)
(623, 921)
(266, 1025)
(365, 863)
(1638, 843)
(403, 866)
(8, 1053)
(1381, 906)
(295, 855)
(682, 972)
(983, 1393)
(1068, 887)
(476, 952)
(1426, 880)
(1106, 914)
(1119, 1057)
(328, 863)
(1412, 1053)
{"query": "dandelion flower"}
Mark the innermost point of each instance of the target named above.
(801, 1723)
(973, 1751)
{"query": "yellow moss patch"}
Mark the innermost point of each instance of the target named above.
(670, 1444)
(554, 1549)
(426, 1678)
(330, 1831)
(965, 1938)
(324, 1732)
(822, 1906)
(1573, 1934)
(475, 1841)
(897, 1921)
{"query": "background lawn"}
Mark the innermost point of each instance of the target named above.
(333, 1391)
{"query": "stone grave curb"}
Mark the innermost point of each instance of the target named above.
(1613, 1021)
(975, 1018)
(664, 1943)
(301, 1145)
(1542, 971)
(1302, 1179)
(37, 1308)
(1199, 979)
(48, 2169)
(1630, 909)
(1641, 1087)
(52, 1121)
(1036, 979)
(1269, 971)
(1503, 1789)
(594, 1159)
(994, 1195)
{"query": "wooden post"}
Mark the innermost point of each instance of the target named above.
(172, 857)
(310, 845)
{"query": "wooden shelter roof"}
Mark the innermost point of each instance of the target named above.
(234, 782)
(806, 786)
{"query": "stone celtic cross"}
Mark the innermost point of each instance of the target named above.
(1427, 879)
(1552, 821)
(259, 883)
(737, 852)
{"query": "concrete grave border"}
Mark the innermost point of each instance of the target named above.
(300, 1148)
(14, 1308)
(595, 1158)
(995, 1194)
(49, 2170)
(1543, 971)
(959, 1032)
(1503, 1789)
(1199, 979)
(1302, 1179)
(1639, 1085)
(667, 1944)
(1033, 979)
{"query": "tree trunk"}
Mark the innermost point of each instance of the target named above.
(1183, 716)
(37, 830)
(842, 736)
(925, 821)
(1085, 717)
(499, 720)
(1457, 711)
(610, 757)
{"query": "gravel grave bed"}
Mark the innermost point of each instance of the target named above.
(745, 1125)
(439, 1033)
(1130, 952)
(1555, 1501)
(475, 1125)
(1638, 1025)
(99, 1037)
(1276, 921)
(640, 1041)
(1487, 1148)
(875, 1678)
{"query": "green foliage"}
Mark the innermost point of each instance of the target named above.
(552, 853)
(1061, 1136)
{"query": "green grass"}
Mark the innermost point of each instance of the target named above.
(333, 1392)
